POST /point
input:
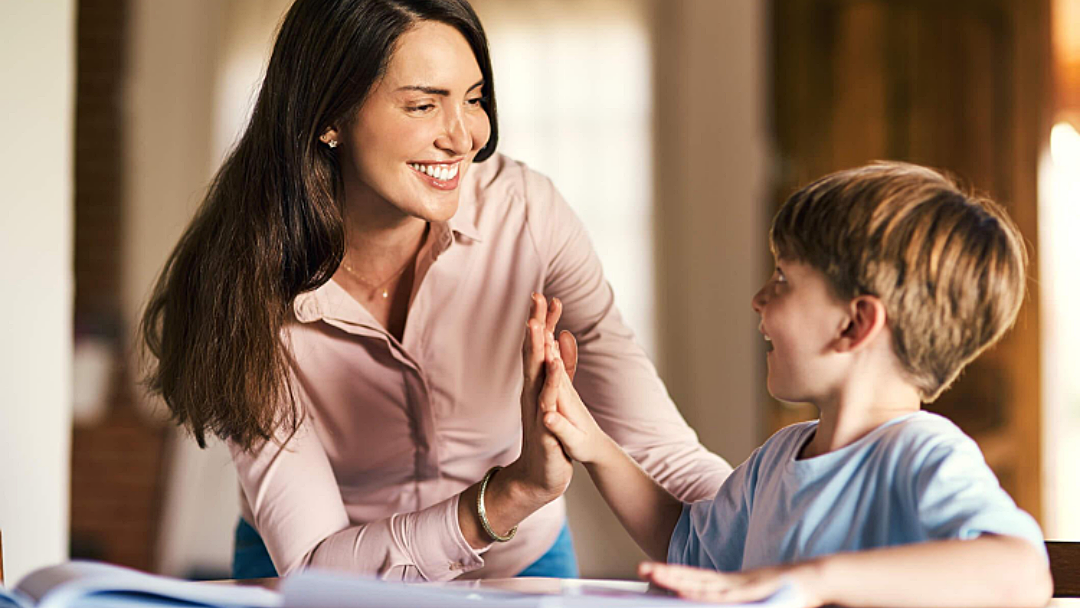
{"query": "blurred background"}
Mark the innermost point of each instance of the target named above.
(673, 127)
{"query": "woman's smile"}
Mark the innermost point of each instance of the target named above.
(443, 176)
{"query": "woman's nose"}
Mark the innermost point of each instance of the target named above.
(456, 137)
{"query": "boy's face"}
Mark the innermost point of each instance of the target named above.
(802, 320)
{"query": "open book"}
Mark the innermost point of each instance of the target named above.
(96, 585)
(323, 590)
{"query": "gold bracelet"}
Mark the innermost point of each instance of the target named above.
(482, 512)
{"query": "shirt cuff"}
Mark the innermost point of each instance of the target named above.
(440, 550)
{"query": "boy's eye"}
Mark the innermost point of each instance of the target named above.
(423, 107)
(477, 101)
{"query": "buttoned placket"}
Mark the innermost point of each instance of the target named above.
(417, 387)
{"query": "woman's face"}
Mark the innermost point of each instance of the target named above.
(422, 124)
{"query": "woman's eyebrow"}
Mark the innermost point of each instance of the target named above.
(436, 91)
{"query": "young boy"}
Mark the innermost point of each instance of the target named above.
(888, 281)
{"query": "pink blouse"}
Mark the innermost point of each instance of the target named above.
(393, 431)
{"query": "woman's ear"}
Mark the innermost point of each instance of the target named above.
(330, 137)
(866, 319)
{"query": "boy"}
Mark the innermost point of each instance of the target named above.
(888, 281)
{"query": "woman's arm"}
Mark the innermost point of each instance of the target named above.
(296, 503)
(614, 375)
(991, 570)
(542, 472)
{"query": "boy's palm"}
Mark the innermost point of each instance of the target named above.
(702, 585)
(566, 416)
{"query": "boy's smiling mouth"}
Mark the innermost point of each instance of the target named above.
(768, 341)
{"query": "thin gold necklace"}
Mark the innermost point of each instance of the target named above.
(375, 286)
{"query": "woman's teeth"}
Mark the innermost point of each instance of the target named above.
(439, 172)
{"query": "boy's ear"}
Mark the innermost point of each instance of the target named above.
(866, 319)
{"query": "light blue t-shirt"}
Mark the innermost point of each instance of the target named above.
(913, 479)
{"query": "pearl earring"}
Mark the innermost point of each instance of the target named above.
(332, 143)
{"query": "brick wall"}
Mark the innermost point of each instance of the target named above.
(117, 462)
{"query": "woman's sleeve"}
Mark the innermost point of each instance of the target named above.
(297, 507)
(614, 376)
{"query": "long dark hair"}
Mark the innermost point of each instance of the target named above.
(271, 225)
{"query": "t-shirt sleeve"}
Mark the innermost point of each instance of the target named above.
(957, 496)
(712, 533)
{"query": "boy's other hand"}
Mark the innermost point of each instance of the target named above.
(699, 584)
(564, 413)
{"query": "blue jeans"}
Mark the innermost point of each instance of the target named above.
(252, 560)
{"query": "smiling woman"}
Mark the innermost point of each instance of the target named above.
(345, 311)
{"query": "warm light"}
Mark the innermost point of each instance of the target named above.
(1059, 223)
(1066, 30)
(1065, 146)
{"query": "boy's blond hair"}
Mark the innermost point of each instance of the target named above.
(948, 265)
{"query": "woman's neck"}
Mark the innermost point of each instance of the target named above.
(379, 237)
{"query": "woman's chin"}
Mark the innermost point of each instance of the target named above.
(439, 211)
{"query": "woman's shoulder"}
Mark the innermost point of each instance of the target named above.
(501, 180)
(502, 191)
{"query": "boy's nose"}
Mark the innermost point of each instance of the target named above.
(758, 301)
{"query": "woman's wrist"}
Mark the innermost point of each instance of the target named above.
(507, 502)
(518, 494)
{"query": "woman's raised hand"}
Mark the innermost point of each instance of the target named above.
(543, 468)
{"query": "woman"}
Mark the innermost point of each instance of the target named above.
(345, 311)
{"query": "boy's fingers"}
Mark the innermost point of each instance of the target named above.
(549, 394)
(562, 428)
(681, 576)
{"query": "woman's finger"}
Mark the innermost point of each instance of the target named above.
(540, 308)
(532, 353)
(554, 313)
(568, 349)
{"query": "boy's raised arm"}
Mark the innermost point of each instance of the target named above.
(647, 511)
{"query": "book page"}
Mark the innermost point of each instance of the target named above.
(77, 584)
(323, 590)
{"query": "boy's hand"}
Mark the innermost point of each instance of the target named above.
(703, 585)
(564, 413)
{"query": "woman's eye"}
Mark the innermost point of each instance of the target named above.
(477, 101)
(424, 107)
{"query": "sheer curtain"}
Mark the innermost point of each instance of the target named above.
(573, 79)
(573, 83)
